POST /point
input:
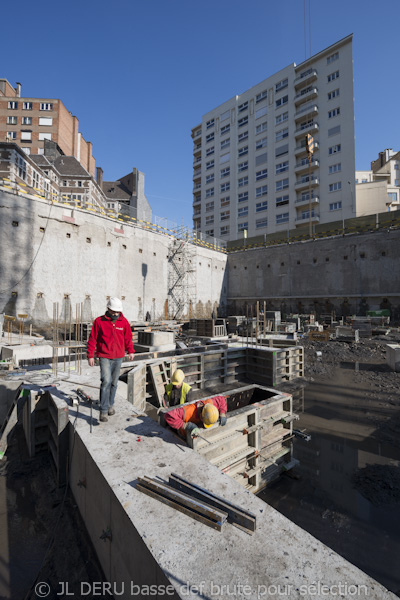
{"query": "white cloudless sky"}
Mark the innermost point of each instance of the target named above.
(139, 75)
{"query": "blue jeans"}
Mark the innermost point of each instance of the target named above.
(109, 372)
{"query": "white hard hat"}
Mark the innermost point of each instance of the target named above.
(115, 304)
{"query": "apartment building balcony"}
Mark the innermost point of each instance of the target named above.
(197, 186)
(303, 165)
(299, 150)
(311, 110)
(196, 133)
(303, 96)
(305, 201)
(306, 78)
(196, 160)
(309, 128)
(302, 185)
(197, 173)
(303, 219)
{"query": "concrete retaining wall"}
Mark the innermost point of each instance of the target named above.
(50, 253)
(348, 274)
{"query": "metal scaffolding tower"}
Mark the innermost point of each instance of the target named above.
(182, 276)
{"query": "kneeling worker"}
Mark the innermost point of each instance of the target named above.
(189, 418)
(177, 392)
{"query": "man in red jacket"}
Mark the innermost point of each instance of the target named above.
(111, 335)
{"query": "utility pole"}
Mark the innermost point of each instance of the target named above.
(310, 151)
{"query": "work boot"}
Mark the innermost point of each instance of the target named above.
(111, 412)
(103, 417)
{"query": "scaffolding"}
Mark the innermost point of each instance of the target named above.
(182, 285)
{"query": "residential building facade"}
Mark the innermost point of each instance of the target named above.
(251, 173)
(31, 121)
(378, 190)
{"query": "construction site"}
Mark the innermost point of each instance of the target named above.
(296, 496)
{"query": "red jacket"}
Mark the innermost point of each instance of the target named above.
(192, 412)
(110, 339)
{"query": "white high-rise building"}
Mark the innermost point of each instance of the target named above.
(250, 165)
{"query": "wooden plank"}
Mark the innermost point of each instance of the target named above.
(237, 516)
(184, 503)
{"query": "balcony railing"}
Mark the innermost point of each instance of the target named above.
(304, 184)
(310, 109)
(306, 78)
(303, 166)
(303, 96)
(305, 219)
(306, 201)
(306, 129)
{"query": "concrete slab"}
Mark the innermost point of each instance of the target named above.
(393, 356)
(169, 546)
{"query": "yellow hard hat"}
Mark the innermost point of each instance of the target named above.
(209, 415)
(177, 377)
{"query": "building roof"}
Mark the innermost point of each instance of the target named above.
(115, 190)
(70, 166)
(40, 160)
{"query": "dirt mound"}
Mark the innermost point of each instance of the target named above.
(380, 484)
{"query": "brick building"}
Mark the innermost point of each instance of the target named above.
(30, 121)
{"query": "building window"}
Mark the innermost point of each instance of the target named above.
(243, 107)
(263, 174)
(281, 150)
(243, 226)
(225, 201)
(332, 57)
(262, 127)
(11, 135)
(44, 136)
(225, 143)
(392, 197)
(225, 187)
(210, 193)
(282, 218)
(48, 121)
(12, 105)
(281, 134)
(283, 184)
(210, 124)
(261, 191)
(282, 101)
(334, 187)
(210, 151)
(243, 197)
(225, 215)
(396, 166)
(209, 165)
(335, 168)
(26, 136)
(261, 223)
(225, 129)
(243, 121)
(260, 206)
(333, 76)
(46, 106)
(282, 200)
(335, 149)
(28, 151)
(281, 85)
(282, 167)
(243, 211)
(281, 118)
(243, 151)
(224, 230)
(242, 181)
(334, 112)
(209, 178)
(11, 120)
(225, 115)
(261, 96)
(243, 136)
(305, 214)
(333, 94)
(27, 105)
(262, 143)
(210, 220)
(243, 166)
(26, 120)
(209, 206)
(225, 172)
(261, 112)
(209, 137)
(224, 158)
(335, 206)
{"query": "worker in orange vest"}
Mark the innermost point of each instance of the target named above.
(188, 418)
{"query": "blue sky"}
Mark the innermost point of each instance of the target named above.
(140, 74)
